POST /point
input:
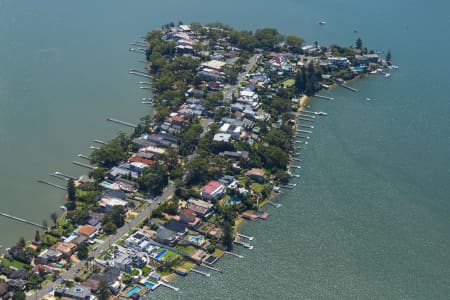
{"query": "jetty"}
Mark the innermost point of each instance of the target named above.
(99, 142)
(61, 175)
(22, 220)
(302, 137)
(234, 254)
(94, 147)
(121, 122)
(145, 87)
(307, 116)
(83, 156)
(323, 97)
(304, 131)
(276, 205)
(243, 244)
(348, 87)
(138, 50)
(250, 238)
(306, 126)
(139, 44)
(307, 120)
(169, 286)
(211, 268)
(83, 165)
(139, 74)
(52, 184)
(146, 83)
(200, 272)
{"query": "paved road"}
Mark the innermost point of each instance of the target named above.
(69, 274)
(251, 63)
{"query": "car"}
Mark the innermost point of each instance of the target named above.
(159, 202)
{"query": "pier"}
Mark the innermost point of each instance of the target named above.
(200, 272)
(94, 148)
(99, 142)
(139, 74)
(58, 176)
(348, 87)
(23, 220)
(306, 126)
(61, 175)
(234, 254)
(250, 238)
(83, 156)
(296, 167)
(245, 245)
(138, 50)
(304, 131)
(52, 184)
(145, 87)
(121, 122)
(169, 286)
(307, 120)
(302, 137)
(297, 159)
(276, 205)
(146, 83)
(307, 116)
(324, 97)
(211, 268)
(83, 165)
(139, 44)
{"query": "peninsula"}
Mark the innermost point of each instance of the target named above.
(223, 134)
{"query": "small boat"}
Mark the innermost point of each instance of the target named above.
(387, 75)
(322, 22)
(374, 72)
(321, 113)
(368, 99)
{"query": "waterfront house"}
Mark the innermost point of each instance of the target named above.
(212, 190)
(107, 204)
(165, 236)
(50, 255)
(88, 231)
(135, 239)
(77, 292)
(256, 174)
(237, 155)
(187, 216)
(92, 285)
(65, 248)
(177, 227)
(201, 208)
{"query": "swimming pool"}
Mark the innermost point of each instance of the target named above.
(158, 256)
(59, 265)
(234, 201)
(196, 239)
(134, 290)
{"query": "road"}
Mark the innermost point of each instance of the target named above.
(227, 94)
(69, 274)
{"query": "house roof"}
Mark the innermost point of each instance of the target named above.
(141, 160)
(212, 187)
(255, 172)
(87, 230)
(3, 288)
(187, 214)
(64, 247)
(92, 284)
(176, 226)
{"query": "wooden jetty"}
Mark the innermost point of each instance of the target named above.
(302, 137)
(211, 268)
(276, 205)
(304, 131)
(200, 272)
(234, 254)
(94, 147)
(22, 220)
(138, 50)
(83, 165)
(139, 74)
(83, 156)
(306, 126)
(169, 286)
(245, 245)
(307, 120)
(323, 97)
(250, 238)
(58, 176)
(52, 184)
(348, 87)
(121, 122)
(307, 116)
(99, 142)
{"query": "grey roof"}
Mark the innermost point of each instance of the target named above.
(76, 292)
(164, 234)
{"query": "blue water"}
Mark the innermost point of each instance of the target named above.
(149, 284)
(158, 256)
(370, 216)
(134, 290)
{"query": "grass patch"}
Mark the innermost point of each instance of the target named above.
(187, 265)
(257, 188)
(186, 249)
(218, 252)
(134, 272)
(12, 263)
(145, 270)
(288, 83)
(169, 256)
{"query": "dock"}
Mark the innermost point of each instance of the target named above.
(234, 254)
(307, 116)
(83, 156)
(121, 122)
(145, 87)
(297, 159)
(138, 50)
(99, 142)
(348, 87)
(307, 120)
(169, 286)
(296, 167)
(61, 175)
(243, 244)
(306, 126)
(146, 83)
(324, 97)
(276, 205)
(302, 137)
(22, 220)
(250, 238)
(200, 272)
(139, 44)
(58, 176)
(139, 74)
(83, 165)
(211, 268)
(52, 184)
(304, 131)
(94, 148)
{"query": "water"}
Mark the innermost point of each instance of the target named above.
(370, 215)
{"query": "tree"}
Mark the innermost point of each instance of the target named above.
(21, 242)
(359, 43)
(71, 191)
(83, 251)
(154, 178)
(109, 228)
(389, 57)
(37, 236)
(294, 43)
(103, 291)
(227, 235)
(18, 295)
(54, 217)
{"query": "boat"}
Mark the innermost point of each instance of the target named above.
(322, 22)
(368, 99)
(321, 113)
(387, 75)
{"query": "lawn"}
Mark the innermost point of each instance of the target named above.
(218, 252)
(289, 83)
(256, 187)
(187, 265)
(145, 270)
(12, 263)
(169, 256)
(186, 249)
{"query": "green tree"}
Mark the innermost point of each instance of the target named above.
(109, 228)
(103, 291)
(37, 236)
(197, 170)
(54, 218)
(71, 191)
(154, 178)
(294, 43)
(227, 239)
(268, 38)
(21, 242)
(83, 251)
(18, 295)
(359, 43)
(98, 174)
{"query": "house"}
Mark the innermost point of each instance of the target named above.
(122, 259)
(120, 171)
(222, 137)
(92, 284)
(4, 290)
(19, 274)
(165, 236)
(256, 174)
(110, 276)
(212, 190)
(78, 292)
(65, 248)
(237, 155)
(187, 216)
(200, 208)
(214, 64)
(51, 255)
(177, 227)
(135, 239)
(37, 269)
(339, 61)
(107, 204)
(88, 231)
(17, 284)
